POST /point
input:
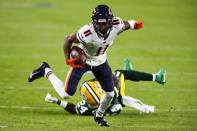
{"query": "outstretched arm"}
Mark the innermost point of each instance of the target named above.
(137, 104)
(70, 107)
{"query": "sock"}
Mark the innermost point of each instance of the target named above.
(154, 77)
(57, 83)
(104, 103)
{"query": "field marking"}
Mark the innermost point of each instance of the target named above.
(176, 110)
(171, 109)
(28, 107)
(27, 5)
(2, 126)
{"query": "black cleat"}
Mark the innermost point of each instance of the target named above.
(101, 121)
(38, 72)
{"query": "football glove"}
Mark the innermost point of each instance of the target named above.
(138, 25)
(71, 62)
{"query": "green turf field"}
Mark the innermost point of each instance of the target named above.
(32, 31)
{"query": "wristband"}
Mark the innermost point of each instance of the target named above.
(131, 24)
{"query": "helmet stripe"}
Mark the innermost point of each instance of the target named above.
(97, 97)
(92, 93)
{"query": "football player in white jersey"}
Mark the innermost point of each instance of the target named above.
(91, 93)
(95, 39)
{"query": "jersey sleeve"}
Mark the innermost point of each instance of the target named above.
(83, 34)
(82, 108)
(118, 24)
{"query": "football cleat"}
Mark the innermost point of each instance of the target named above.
(101, 121)
(50, 99)
(161, 76)
(38, 72)
(127, 65)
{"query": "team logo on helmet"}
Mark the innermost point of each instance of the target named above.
(91, 92)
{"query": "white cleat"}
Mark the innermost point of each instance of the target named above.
(50, 99)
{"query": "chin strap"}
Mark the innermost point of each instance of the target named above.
(100, 34)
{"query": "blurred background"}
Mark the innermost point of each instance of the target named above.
(32, 31)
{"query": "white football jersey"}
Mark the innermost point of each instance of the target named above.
(96, 47)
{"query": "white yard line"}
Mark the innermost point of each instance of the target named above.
(58, 108)
(27, 107)
(3, 126)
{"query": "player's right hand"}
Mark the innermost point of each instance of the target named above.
(71, 62)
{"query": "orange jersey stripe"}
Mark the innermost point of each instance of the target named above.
(67, 79)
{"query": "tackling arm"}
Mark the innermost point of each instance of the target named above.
(71, 108)
(137, 104)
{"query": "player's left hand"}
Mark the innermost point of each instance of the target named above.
(138, 25)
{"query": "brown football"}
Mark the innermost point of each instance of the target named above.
(78, 53)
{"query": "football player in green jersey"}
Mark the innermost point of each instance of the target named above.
(91, 93)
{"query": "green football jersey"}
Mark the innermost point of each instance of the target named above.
(82, 108)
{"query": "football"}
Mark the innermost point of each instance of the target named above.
(78, 53)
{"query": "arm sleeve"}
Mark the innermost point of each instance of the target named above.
(71, 108)
(118, 24)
